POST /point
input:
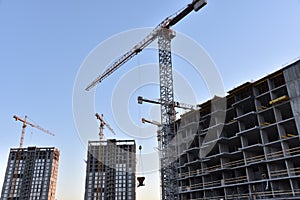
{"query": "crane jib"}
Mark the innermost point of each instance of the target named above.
(167, 23)
(127, 56)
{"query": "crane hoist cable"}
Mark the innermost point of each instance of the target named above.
(141, 179)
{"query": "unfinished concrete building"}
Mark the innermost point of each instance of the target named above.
(31, 174)
(110, 170)
(250, 149)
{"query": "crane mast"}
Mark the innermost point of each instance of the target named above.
(164, 35)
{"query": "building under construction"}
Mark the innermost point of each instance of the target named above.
(31, 173)
(250, 149)
(110, 170)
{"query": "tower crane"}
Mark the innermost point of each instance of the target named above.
(164, 35)
(156, 123)
(16, 173)
(174, 104)
(25, 122)
(101, 137)
(102, 124)
(171, 106)
(153, 122)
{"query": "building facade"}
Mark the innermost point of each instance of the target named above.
(244, 146)
(110, 171)
(31, 174)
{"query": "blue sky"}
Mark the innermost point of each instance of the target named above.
(44, 43)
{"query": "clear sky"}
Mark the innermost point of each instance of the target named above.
(43, 44)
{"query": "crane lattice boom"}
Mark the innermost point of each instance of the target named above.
(175, 103)
(166, 24)
(156, 123)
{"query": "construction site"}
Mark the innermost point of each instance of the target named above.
(245, 145)
(242, 146)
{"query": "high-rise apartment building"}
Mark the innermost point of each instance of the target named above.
(247, 149)
(31, 174)
(110, 171)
